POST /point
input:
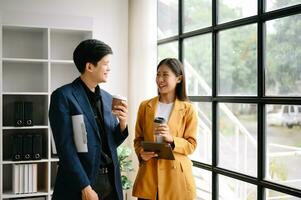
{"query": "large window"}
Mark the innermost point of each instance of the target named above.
(242, 60)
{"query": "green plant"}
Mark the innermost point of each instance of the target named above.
(126, 165)
(278, 170)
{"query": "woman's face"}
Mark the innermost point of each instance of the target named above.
(166, 80)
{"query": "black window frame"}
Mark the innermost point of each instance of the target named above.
(260, 99)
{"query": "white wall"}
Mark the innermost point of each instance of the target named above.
(110, 24)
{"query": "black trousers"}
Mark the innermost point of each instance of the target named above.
(103, 185)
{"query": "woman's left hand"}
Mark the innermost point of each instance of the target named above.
(163, 129)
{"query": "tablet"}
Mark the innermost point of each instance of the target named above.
(163, 150)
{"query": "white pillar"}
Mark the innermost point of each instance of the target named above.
(142, 61)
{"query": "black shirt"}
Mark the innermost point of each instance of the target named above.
(96, 105)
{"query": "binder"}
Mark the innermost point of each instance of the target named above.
(19, 113)
(17, 148)
(15, 179)
(37, 147)
(25, 178)
(28, 113)
(21, 179)
(27, 147)
(30, 188)
(35, 177)
(163, 150)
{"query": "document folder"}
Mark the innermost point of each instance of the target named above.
(163, 150)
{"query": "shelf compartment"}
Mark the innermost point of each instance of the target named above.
(25, 76)
(7, 139)
(23, 42)
(40, 108)
(42, 185)
(62, 73)
(54, 168)
(69, 38)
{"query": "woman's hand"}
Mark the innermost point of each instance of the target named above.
(163, 130)
(146, 155)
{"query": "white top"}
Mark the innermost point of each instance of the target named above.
(164, 110)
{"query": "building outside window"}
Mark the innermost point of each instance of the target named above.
(242, 60)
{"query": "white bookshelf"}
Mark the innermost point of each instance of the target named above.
(34, 61)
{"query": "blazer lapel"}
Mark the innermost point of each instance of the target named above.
(151, 108)
(176, 115)
(82, 99)
(106, 110)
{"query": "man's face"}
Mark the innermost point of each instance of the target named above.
(101, 70)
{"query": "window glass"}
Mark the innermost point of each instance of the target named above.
(168, 50)
(230, 188)
(203, 152)
(197, 14)
(198, 65)
(237, 133)
(272, 194)
(283, 144)
(237, 61)
(203, 182)
(277, 4)
(167, 18)
(283, 57)
(229, 10)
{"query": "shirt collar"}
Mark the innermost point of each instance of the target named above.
(93, 95)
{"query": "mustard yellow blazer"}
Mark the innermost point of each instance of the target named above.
(172, 179)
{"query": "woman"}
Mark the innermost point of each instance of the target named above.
(159, 178)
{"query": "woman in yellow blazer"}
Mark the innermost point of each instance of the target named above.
(159, 178)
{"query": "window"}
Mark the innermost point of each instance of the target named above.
(243, 65)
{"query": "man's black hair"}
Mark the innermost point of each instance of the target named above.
(91, 51)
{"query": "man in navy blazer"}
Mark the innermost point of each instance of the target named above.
(86, 130)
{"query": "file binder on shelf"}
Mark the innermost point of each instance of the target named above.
(15, 179)
(19, 113)
(36, 147)
(17, 147)
(27, 147)
(28, 114)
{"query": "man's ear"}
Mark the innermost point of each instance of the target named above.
(89, 67)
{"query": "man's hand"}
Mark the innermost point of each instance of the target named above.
(146, 155)
(121, 112)
(89, 194)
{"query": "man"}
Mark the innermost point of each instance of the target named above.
(86, 131)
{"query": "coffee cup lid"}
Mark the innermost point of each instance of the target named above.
(159, 120)
(119, 97)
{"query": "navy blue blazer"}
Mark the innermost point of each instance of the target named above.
(77, 170)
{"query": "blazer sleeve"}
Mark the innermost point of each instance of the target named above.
(61, 126)
(187, 144)
(119, 136)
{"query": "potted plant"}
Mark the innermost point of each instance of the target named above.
(126, 165)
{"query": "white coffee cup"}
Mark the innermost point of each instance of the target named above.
(116, 100)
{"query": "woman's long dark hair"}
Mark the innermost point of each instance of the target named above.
(177, 67)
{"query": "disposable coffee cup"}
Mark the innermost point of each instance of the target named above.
(116, 100)
(157, 136)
